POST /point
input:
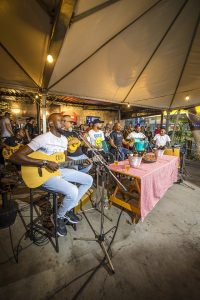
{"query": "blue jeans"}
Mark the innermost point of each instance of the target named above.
(84, 169)
(72, 194)
(121, 154)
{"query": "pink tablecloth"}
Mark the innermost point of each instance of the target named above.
(155, 178)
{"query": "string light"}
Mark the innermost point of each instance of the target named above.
(36, 96)
(187, 98)
(128, 105)
(50, 58)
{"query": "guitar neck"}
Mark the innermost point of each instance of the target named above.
(71, 163)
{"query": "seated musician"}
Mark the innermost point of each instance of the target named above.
(18, 138)
(161, 139)
(95, 136)
(74, 149)
(13, 143)
(117, 141)
(50, 143)
(136, 134)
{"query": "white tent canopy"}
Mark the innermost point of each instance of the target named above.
(142, 52)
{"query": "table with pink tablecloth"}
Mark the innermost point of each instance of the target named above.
(153, 180)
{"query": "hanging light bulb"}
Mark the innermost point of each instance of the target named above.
(187, 98)
(50, 58)
(128, 105)
(36, 96)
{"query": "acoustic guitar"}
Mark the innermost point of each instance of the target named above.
(9, 150)
(34, 176)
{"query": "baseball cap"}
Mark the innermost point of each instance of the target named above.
(69, 119)
(96, 121)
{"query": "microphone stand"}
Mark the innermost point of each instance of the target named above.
(101, 236)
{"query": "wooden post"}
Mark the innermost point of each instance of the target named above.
(44, 117)
(175, 124)
(167, 121)
(119, 115)
(161, 119)
(38, 116)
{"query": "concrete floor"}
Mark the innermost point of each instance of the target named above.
(156, 259)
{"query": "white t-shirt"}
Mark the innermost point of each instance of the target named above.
(48, 143)
(4, 131)
(161, 140)
(95, 138)
(136, 135)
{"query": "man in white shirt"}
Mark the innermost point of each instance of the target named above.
(161, 139)
(136, 134)
(5, 126)
(50, 143)
(96, 136)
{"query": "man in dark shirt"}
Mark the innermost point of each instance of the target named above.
(116, 141)
(29, 128)
(74, 150)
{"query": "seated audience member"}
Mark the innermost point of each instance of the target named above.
(74, 149)
(161, 139)
(136, 134)
(116, 141)
(50, 143)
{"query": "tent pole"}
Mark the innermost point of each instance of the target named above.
(44, 113)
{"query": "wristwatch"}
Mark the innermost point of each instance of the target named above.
(44, 163)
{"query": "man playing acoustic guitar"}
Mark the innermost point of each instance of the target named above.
(50, 143)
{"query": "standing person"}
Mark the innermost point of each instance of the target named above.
(90, 126)
(74, 150)
(5, 126)
(161, 139)
(117, 140)
(157, 130)
(29, 128)
(96, 136)
(50, 143)
(149, 134)
(142, 129)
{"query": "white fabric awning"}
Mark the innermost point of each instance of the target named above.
(142, 52)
